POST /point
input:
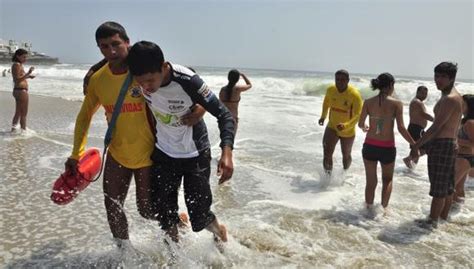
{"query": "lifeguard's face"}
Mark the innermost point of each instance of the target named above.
(114, 48)
(341, 82)
(150, 82)
(443, 82)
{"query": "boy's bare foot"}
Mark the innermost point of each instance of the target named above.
(183, 220)
(222, 233)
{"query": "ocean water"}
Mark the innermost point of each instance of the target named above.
(281, 212)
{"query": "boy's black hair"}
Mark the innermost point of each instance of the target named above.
(145, 57)
(447, 68)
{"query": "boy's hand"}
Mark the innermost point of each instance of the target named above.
(225, 168)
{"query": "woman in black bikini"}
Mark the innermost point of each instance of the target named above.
(379, 145)
(20, 90)
(465, 158)
(230, 94)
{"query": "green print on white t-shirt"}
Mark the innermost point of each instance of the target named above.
(168, 119)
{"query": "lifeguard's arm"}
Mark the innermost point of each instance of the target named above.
(401, 126)
(91, 71)
(83, 120)
(356, 110)
(16, 70)
(362, 118)
(247, 82)
(447, 106)
(324, 113)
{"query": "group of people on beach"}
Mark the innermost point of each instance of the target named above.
(448, 142)
(160, 137)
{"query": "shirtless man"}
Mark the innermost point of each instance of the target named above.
(20, 90)
(230, 94)
(440, 143)
(418, 119)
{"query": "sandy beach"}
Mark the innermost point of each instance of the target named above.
(279, 208)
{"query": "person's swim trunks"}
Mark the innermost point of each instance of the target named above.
(416, 131)
(441, 160)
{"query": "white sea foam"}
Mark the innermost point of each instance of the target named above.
(279, 208)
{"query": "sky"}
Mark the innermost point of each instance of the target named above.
(372, 36)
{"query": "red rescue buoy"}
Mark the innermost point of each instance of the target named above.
(68, 186)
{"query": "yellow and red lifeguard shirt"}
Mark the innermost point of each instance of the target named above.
(132, 139)
(345, 107)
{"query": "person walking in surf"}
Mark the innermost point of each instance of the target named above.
(379, 144)
(344, 103)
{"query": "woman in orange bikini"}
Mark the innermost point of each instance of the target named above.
(379, 145)
(230, 94)
(20, 88)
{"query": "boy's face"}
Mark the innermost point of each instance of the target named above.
(443, 82)
(422, 94)
(114, 48)
(150, 82)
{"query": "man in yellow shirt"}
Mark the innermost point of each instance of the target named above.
(345, 104)
(133, 139)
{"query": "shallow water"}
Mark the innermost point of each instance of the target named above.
(280, 210)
